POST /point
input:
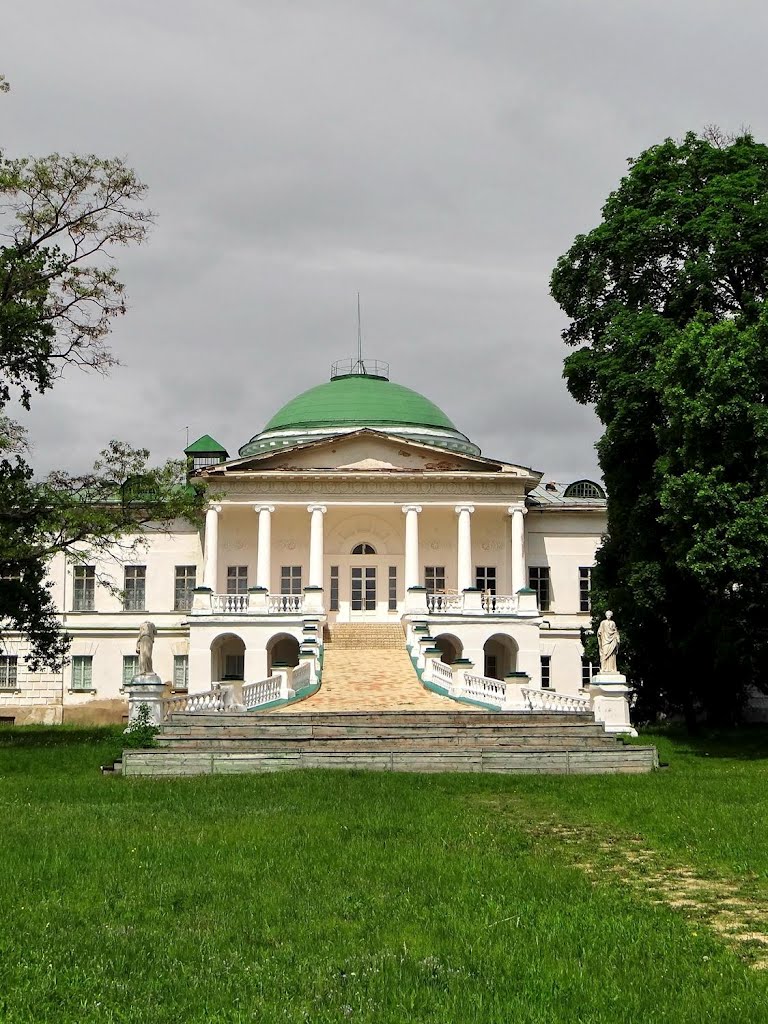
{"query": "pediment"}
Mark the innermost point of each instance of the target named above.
(366, 451)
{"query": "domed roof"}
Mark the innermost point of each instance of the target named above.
(352, 401)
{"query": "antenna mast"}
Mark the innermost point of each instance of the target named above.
(360, 367)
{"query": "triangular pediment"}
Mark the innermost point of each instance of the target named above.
(366, 451)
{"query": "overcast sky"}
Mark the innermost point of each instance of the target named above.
(436, 155)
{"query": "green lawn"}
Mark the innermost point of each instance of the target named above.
(345, 896)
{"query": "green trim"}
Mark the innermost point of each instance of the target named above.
(526, 590)
(202, 590)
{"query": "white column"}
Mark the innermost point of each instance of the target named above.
(412, 574)
(316, 568)
(264, 546)
(519, 580)
(465, 576)
(211, 547)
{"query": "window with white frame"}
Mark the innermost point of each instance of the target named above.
(546, 676)
(130, 668)
(538, 580)
(363, 549)
(180, 671)
(237, 579)
(82, 672)
(135, 588)
(184, 584)
(392, 603)
(8, 672)
(587, 670)
(434, 579)
(83, 588)
(333, 605)
(585, 588)
(290, 579)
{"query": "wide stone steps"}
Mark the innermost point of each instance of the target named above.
(427, 741)
(363, 635)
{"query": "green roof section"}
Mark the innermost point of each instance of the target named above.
(358, 400)
(205, 445)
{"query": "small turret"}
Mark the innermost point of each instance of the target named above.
(203, 452)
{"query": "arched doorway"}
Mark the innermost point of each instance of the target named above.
(227, 658)
(282, 649)
(500, 656)
(451, 647)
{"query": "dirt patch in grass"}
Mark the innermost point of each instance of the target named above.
(736, 909)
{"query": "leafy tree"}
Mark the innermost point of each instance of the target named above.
(668, 305)
(61, 218)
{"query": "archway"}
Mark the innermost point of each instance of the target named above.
(500, 656)
(227, 658)
(282, 649)
(451, 647)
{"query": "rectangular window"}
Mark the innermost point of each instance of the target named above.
(538, 580)
(434, 579)
(585, 588)
(546, 678)
(485, 578)
(134, 591)
(490, 666)
(334, 598)
(180, 671)
(586, 673)
(237, 579)
(130, 667)
(84, 588)
(82, 672)
(392, 606)
(290, 579)
(364, 588)
(184, 583)
(8, 672)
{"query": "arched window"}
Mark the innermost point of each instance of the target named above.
(363, 549)
(584, 489)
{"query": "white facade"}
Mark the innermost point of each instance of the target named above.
(342, 529)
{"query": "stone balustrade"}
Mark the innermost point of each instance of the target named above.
(550, 700)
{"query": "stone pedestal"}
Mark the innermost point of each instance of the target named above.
(514, 700)
(313, 600)
(146, 689)
(609, 695)
(473, 601)
(416, 601)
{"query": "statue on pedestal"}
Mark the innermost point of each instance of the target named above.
(608, 639)
(144, 645)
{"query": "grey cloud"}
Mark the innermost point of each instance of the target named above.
(438, 156)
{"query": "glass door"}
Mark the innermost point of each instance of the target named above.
(364, 588)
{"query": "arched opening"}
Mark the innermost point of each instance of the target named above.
(451, 647)
(227, 658)
(282, 649)
(364, 549)
(500, 656)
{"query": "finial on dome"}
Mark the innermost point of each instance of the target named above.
(360, 367)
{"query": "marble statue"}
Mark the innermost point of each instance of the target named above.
(144, 645)
(608, 639)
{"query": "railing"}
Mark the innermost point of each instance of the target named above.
(549, 700)
(441, 673)
(280, 604)
(499, 604)
(302, 676)
(483, 688)
(262, 692)
(229, 604)
(212, 700)
(442, 604)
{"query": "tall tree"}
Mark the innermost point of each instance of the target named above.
(667, 300)
(61, 218)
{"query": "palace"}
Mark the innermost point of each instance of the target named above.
(359, 511)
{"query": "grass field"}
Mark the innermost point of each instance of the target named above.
(322, 897)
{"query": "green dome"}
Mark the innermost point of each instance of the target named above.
(354, 401)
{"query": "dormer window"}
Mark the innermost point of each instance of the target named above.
(204, 452)
(364, 549)
(584, 489)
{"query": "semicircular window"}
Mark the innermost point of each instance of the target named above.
(584, 489)
(363, 549)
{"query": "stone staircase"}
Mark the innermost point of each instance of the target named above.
(367, 668)
(410, 740)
